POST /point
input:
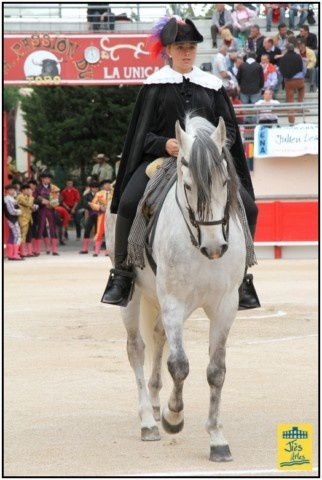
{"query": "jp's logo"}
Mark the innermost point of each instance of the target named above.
(295, 446)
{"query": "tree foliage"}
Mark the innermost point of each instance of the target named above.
(10, 98)
(67, 125)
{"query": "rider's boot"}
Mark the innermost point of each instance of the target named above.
(120, 285)
(247, 294)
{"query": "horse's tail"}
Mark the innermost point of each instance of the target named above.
(149, 317)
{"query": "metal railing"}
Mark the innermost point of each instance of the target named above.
(249, 116)
(76, 13)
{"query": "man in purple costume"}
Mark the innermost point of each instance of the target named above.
(46, 212)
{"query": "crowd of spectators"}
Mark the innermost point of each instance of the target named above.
(250, 63)
(39, 213)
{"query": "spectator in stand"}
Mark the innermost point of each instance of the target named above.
(280, 40)
(266, 115)
(233, 95)
(293, 40)
(243, 18)
(91, 215)
(237, 60)
(256, 39)
(310, 38)
(274, 11)
(100, 16)
(295, 9)
(229, 41)
(251, 80)
(221, 20)
(271, 50)
(270, 74)
(309, 58)
(220, 66)
(293, 72)
(70, 198)
(102, 168)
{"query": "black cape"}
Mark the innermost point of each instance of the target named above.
(157, 108)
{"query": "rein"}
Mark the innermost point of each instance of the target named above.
(196, 223)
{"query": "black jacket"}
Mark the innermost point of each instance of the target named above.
(259, 43)
(291, 63)
(250, 77)
(153, 120)
(311, 41)
(263, 51)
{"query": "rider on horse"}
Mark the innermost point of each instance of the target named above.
(167, 96)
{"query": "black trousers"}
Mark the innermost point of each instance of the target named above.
(129, 202)
(90, 223)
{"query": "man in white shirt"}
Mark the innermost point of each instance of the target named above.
(266, 115)
(220, 66)
(102, 169)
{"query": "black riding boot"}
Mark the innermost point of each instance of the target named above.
(247, 294)
(120, 285)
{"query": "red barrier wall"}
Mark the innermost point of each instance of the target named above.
(287, 221)
(5, 169)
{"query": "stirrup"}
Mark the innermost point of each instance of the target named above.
(123, 273)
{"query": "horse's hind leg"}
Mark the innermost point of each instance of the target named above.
(135, 350)
(220, 323)
(178, 365)
(155, 382)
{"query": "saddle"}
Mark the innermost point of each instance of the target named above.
(163, 174)
(153, 203)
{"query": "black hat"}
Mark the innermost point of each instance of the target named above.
(106, 180)
(180, 32)
(45, 175)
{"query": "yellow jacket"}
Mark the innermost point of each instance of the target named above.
(25, 203)
(310, 55)
(102, 199)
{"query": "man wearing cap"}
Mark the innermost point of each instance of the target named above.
(102, 169)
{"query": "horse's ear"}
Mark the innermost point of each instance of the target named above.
(181, 136)
(219, 135)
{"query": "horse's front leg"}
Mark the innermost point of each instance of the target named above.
(220, 323)
(173, 317)
(135, 350)
(155, 382)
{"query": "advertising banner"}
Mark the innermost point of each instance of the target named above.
(301, 139)
(77, 59)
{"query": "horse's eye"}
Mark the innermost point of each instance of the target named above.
(184, 162)
(187, 187)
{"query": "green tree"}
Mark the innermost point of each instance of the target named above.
(67, 125)
(10, 98)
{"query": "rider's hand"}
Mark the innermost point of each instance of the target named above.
(172, 147)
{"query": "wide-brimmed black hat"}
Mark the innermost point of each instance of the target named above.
(180, 32)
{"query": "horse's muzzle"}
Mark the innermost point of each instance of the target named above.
(214, 254)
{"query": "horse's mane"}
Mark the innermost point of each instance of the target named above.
(205, 163)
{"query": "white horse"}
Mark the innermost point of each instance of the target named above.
(200, 208)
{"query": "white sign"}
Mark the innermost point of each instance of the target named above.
(302, 139)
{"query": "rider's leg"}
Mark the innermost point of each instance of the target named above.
(247, 294)
(120, 282)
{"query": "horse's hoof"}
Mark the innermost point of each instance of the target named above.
(157, 414)
(220, 453)
(150, 434)
(172, 428)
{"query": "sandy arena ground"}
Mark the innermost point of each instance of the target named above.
(70, 395)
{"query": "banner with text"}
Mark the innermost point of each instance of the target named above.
(301, 139)
(77, 59)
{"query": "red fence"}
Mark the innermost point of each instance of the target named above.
(287, 221)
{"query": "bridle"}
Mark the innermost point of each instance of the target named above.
(197, 223)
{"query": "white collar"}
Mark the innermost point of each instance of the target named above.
(250, 60)
(167, 75)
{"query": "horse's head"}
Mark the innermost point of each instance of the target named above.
(207, 181)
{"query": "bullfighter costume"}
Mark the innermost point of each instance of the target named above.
(46, 213)
(12, 211)
(99, 204)
(166, 97)
(91, 216)
(26, 205)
